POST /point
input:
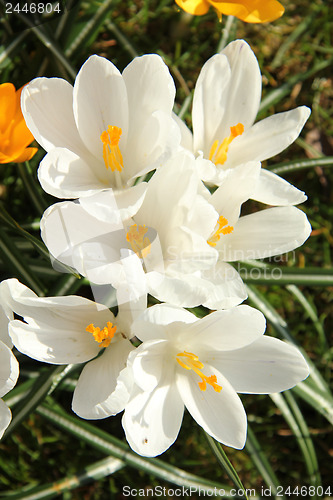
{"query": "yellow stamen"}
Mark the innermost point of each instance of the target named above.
(218, 154)
(191, 362)
(220, 228)
(104, 336)
(111, 152)
(139, 242)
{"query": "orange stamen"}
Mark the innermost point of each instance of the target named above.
(220, 228)
(218, 154)
(111, 152)
(104, 336)
(191, 362)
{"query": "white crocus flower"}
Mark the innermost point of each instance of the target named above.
(106, 131)
(166, 241)
(73, 329)
(9, 367)
(225, 104)
(202, 365)
(265, 233)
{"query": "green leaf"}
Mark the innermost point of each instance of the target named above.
(259, 459)
(112, 446)
(89, 474)
(292, 166)
(293, 416)
(225, 463)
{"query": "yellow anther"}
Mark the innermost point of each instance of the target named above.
(104, 336)
(139, 242)
(111, 152)
(218, 154)
(191, 361)
(220, 228)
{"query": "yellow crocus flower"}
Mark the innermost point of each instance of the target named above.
(250, 11)
(15, 136)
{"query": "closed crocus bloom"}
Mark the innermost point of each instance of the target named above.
(202, 364)
(104, 132)
(9, 367)
(225, 105)
(15, 136)
(73, 329)
(250, 11)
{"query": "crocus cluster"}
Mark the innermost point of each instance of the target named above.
(150, 208)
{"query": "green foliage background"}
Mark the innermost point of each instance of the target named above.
(47, 452)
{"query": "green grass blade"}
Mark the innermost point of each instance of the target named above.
(318, 400)
(32, 188)
(89, 474)
(260, 461)
(278, 94)
(118, 449)
(312, 314)
(295, 34)
(293, 166)
(225, 463)
(43, 385)
(266, 274)
(293, 416)
(15, 262)
(38, 245)
(280, 326)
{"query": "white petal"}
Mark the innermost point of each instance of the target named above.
(4, 320)
(5, 417)
(209, 102)
(266, 366)
(53, 346)
(273, 190)
(152, 144)
(266, 233)
(155, 322)
(225, 287)
(47, 106)
(237, 187)
(80, 240)
(64, 174)
(152, 419)
(150, 88)
(183, 290)
(66, 311)
(114, 206)
(186, 141)
(100, 100)
(244, 90)
(222, 414)
(9, 369)
(102, 389)
(131, 290)
(268, 137)
(148, 364)
(227, 330)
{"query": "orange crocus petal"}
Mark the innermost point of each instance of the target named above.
(7, 105)
(250, 11)
(195, 7)
(15, 136)
(26, 155)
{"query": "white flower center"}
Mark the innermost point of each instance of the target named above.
(218, 154)
(104, 336)
(220, 228)
(111, 153)
(191, 361)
